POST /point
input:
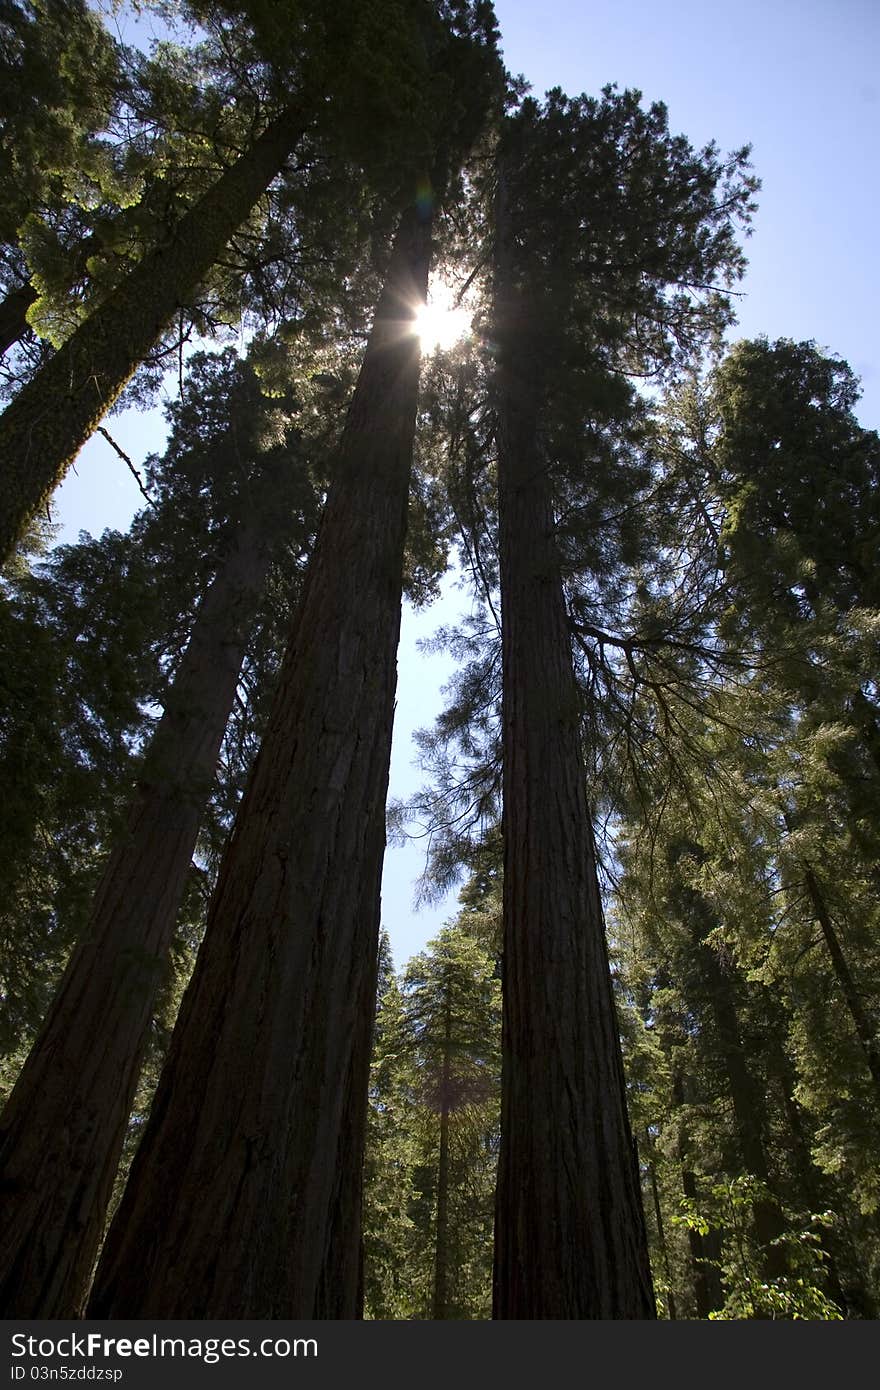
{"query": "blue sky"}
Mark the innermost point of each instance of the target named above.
(799, 80)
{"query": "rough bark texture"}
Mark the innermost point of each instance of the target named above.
(50, 419)
(62, 1132)
(570, 1238)
(244, 1198)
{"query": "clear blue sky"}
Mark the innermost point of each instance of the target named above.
(799, 80)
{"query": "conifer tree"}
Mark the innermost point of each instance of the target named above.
(330, 734)
(313, 87)
(433, 1134)
(644, 224)
(81, 1093)
(288, 967)
(62, 80)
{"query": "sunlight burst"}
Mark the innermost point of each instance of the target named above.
(441, 323)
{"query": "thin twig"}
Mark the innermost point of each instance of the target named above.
(125, 459)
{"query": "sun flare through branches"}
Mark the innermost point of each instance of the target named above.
(442, 322)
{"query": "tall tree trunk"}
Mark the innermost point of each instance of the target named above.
(704, 1250)
(661, 1229)
(62, 1132)
(441, 1248)
(705, 1256)
(749, 1111)
(244, 1198)
(45, 426)
(811, 1184)
(570, 1238)
(13, 315)
(865, 1031)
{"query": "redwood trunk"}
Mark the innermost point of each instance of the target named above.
(244, 1198)
(50, 419)
(62, 1132)
(570, 1238)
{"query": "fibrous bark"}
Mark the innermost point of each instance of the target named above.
(570, 1238)
(244, 1198)
(62, 1132)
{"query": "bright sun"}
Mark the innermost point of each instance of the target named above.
(441, 323)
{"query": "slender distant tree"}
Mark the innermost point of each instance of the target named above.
(430, 1176)
(452, 1007)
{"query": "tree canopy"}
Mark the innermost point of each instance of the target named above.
(639, 1073)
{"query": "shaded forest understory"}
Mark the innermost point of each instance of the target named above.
(638, 1075)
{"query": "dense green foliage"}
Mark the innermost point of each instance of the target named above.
(436, 1064)
(718, 538)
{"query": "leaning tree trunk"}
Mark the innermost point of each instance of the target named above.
(50, 419)
(62, 1133)
(570, 1238)
(244, 1198)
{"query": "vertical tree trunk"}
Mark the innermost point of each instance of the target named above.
(810, 1182)
(749, 1111)
(705, 1254)
(244, 1198)
(570, 1238)
(866, 1033)
(704, 1250)
(661, 1230)
(45, 426)
(441, 1249)
(62, 1132)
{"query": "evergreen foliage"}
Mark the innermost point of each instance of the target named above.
(664, 713)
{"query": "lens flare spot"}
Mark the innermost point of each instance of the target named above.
(441, 323)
